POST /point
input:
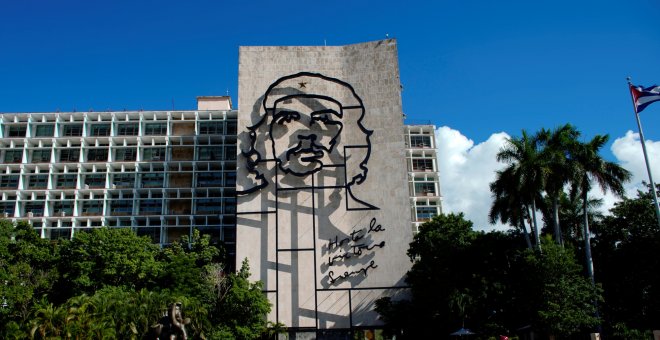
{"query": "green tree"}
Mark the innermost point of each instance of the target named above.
(608, 175)
(557, 167)
(27, 271)
(508, 204)
(522, 176)
(559, 299)
(107, 257)
(188, 266)
(458, 276)
(243, 309)
(626, 243)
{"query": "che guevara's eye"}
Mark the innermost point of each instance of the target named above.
(283, 117)
(323, 116)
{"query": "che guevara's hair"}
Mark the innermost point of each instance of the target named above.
(280, 88)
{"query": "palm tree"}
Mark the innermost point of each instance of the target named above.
(557, 166)
(508, 205)
(592, 167)
(48, 321)
(571, 215)
(524, 175)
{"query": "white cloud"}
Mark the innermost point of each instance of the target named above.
(628, 151)
(466, 170)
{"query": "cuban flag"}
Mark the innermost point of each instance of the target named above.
(642, 97)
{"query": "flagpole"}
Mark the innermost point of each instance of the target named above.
(646, 158)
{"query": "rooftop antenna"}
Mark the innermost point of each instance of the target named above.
(227, 92)
(172, 103)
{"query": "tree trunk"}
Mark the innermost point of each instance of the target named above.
(525, 233)
(555, 220)
(536, 226)
(587, 246)
(587, 239)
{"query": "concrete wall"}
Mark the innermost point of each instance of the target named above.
(324, 215)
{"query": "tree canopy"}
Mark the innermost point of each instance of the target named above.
(110, 283)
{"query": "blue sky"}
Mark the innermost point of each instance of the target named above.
(477, 67)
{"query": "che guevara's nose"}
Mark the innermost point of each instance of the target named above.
(307, 139)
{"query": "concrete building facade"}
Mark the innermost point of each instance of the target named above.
(323, 213)
(423, 176)
(162, 173)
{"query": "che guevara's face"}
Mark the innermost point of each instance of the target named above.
(304, 132)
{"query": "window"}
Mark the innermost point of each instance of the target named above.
(127, 129)
(44, 130)
(38, 182)
(231, 128)
(9, 182)
(155, 129)
(13, 156)
(153, 154)
(426, 213)
(59, 233)
(230, 153)
(422, 164)
(72, 130)
(69, 155)
(420, 141)
(211, 128)
(63, 208)
(41, 156)
(425, 188)
(123, 180)
(97, 155)
(230, 205)
(93, 207)
(231, 179)
(14, 131)
(100, 130)
(34, 207)
(66, 181)
(209, 153)
(7, 208)
(151, 207)
(152, 180)
(209, 179)
(209, 206)
(121, 207)
(95, 181)
(125, 154)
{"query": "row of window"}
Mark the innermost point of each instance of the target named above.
(226, 234)
(125, 154)
(422, 164)
(121, 129)
(120, 207)
(121, 180)
(425, 188)
(420, 141)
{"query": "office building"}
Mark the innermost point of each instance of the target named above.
(162, 173)
(423, 177)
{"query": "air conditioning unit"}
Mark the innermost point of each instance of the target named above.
(62, 213)
(30, 214)
(6, 214)
(86, 186)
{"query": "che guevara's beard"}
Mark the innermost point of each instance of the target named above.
(303, 159)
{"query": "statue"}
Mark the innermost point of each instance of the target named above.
(172, 325)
